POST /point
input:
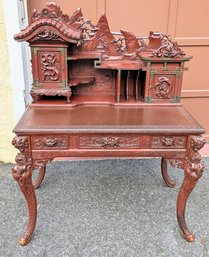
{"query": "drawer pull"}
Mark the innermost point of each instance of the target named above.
(167, 141)
(50, 142)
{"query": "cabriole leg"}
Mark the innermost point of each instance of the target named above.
(22, 173)
(164, 170)
(193, 169)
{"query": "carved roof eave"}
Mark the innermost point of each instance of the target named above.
(65, 32)
(149, 58)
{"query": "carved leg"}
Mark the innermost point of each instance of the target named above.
(22, 173)
(40, 178)
(193, 170)
(168, 181)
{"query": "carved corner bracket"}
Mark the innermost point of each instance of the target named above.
(22, 169)
(193, 166)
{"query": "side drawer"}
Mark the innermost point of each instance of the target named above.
(41, 142)
(163, 142)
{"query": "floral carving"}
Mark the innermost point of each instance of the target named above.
(168, 49)
(49, 67)
(168, 142)
(108, 142)
(163, 87)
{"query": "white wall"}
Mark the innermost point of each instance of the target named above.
(15, 20)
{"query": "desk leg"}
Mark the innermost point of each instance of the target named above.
(193, 169)
(22, 173)
(164, 170)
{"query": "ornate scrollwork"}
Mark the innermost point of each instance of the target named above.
(176, 163)
(49, 67)
(35, 93)
(192, 162)
(168, 49)
(47, 34)
(22, 170)
(109, 142)
(51, 11)
(163, 87)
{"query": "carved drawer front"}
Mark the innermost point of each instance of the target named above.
(168, 142)
(109, 141)
(50, 142)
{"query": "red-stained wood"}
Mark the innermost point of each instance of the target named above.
(98, 94)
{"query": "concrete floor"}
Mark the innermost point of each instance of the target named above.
(109, 208)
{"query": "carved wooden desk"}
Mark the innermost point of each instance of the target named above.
(100, 95)
(45, 133)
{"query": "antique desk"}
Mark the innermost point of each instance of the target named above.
(102, 94)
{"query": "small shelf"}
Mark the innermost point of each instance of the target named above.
(76, 81)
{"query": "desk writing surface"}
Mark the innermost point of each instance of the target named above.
(107, 118)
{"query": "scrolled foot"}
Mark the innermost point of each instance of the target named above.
(23, 241)
(190, 237)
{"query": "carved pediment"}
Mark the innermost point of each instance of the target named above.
(51, 24)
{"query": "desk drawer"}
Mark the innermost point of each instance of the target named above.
(50, 142)
(168, 142)
(109, 141)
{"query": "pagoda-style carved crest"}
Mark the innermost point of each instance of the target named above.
(50, 24)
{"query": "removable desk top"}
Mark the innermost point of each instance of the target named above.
(107, 118)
